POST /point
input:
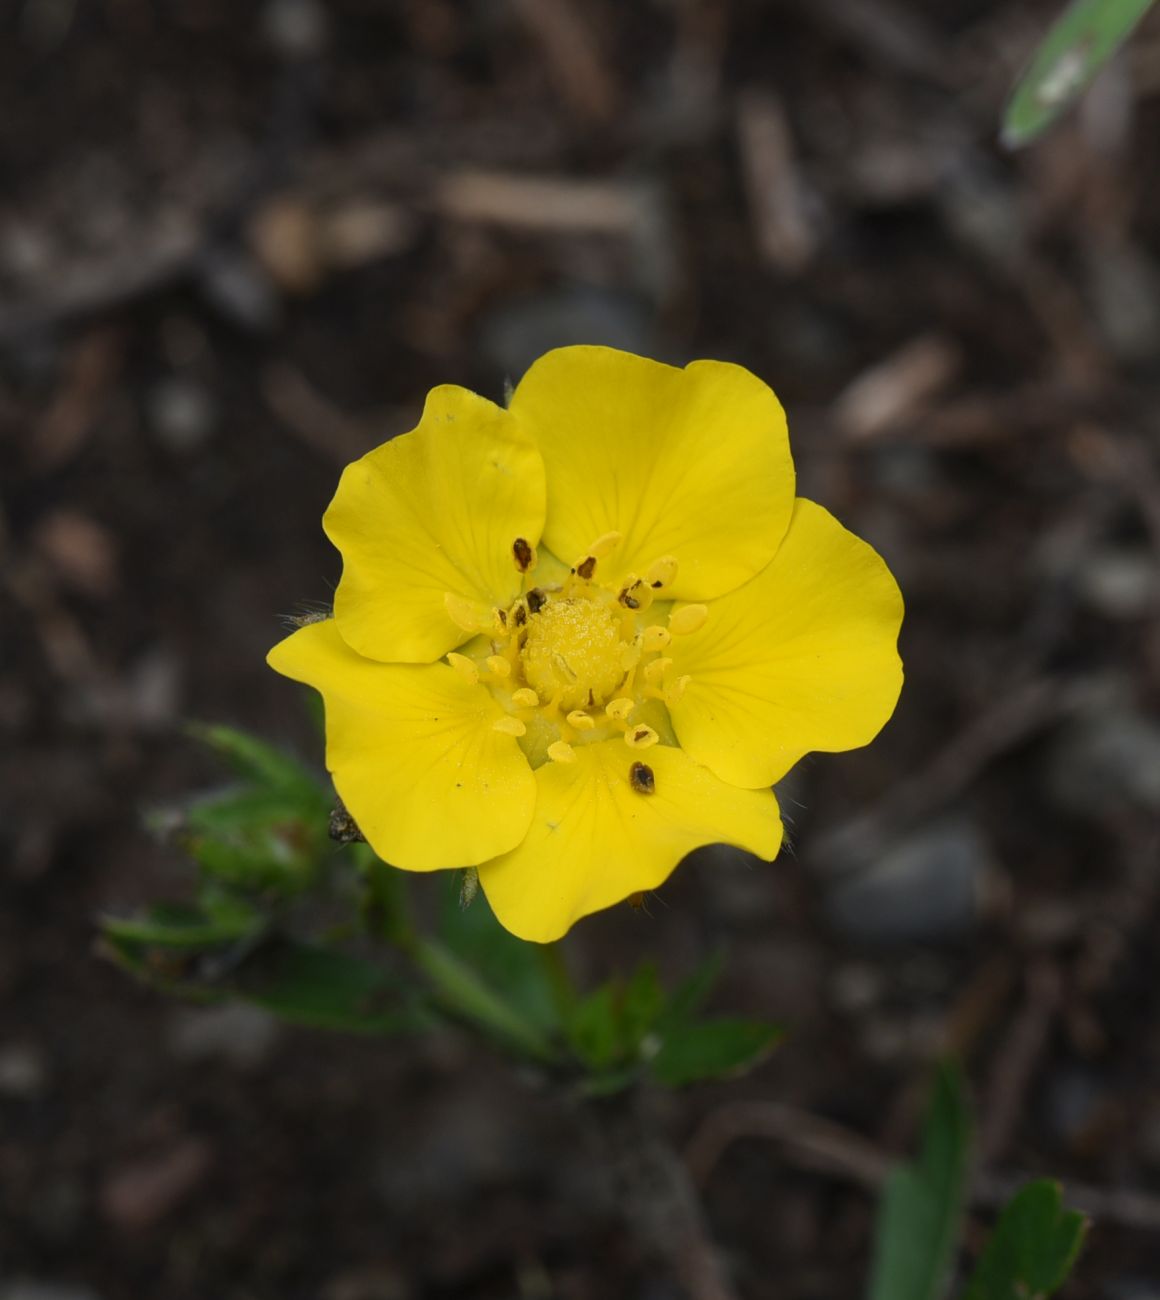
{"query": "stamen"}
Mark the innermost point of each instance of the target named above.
(655, 671)
(586, 568)
(620, 708)
(561, 752)
(499, 666)
(655, 638)
(677, 689)
(635, 594)
(691, 618)
(605, 544)
(581, 720)
(524, 554)
(640, 737)
(509, 726)
(470, 615)
(537, 598)
(525, 698)
(662, 572)
(464, 667)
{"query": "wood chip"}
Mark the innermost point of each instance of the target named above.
(898, 388)
(781, 226)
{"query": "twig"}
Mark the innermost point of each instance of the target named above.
(1018, 1058)
(572, 52)
(940, 779)
(659, 1200)
(822, 1146)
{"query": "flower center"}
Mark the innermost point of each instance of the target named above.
(573, 652)
(581, 661)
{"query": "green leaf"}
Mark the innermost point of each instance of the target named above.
(690, 995)
(1032, 1249)
(459, 989)
(712, 1049)
(253, 758)
(183, 926)
(594, 1029)
(921, 1210)
(1073, 52)
(515, 970)
(328, 990)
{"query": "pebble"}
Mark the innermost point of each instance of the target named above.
(930, 885)
(35, 1289)
(182, 413)
(1120, 583)
(513, 336)
(139, 1193)
(23, 1070)
(295, 29)
(237, 1033)
(1102, 763)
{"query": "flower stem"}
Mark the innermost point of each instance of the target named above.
(462, 992)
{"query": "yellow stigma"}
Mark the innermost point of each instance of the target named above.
(574, 653)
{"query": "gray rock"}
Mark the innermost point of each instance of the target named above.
(513, 336)
(236, 1033)
(1120, 582)
(34, 1289)
(23, 1070)
(927, 886)
(1101, 764)
(181, 413)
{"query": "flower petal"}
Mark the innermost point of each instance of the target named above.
(413, 754)
(692, 463)
(802, 658)
(433, 511)
(594, 839)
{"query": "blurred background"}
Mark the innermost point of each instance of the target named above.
(237, 245)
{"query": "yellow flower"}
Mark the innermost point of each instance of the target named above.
(577, 638)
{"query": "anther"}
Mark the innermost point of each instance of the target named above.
(620, 708)
(635, 594)
(524, 554)
(586, 568)
(525, 698)
(662, 572)
(605, 544)
(537, 598)
(520, 617)
(688, 619)
(500, 666)
(581, 720)
(509, 726)
(641, 778)
(464, 667)
(655, 638)
(559, 751)
(640, 737)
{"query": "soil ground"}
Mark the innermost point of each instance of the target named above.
(238, 243)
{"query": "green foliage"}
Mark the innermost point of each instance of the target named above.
(1072, 53)
(1033, 1247)
(921, 1210)
(268, 834)
(712, 1049)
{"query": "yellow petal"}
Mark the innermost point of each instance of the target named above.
(802, 658)
(594, 839)
(414, 753)
(435, 512)
(692, 465)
